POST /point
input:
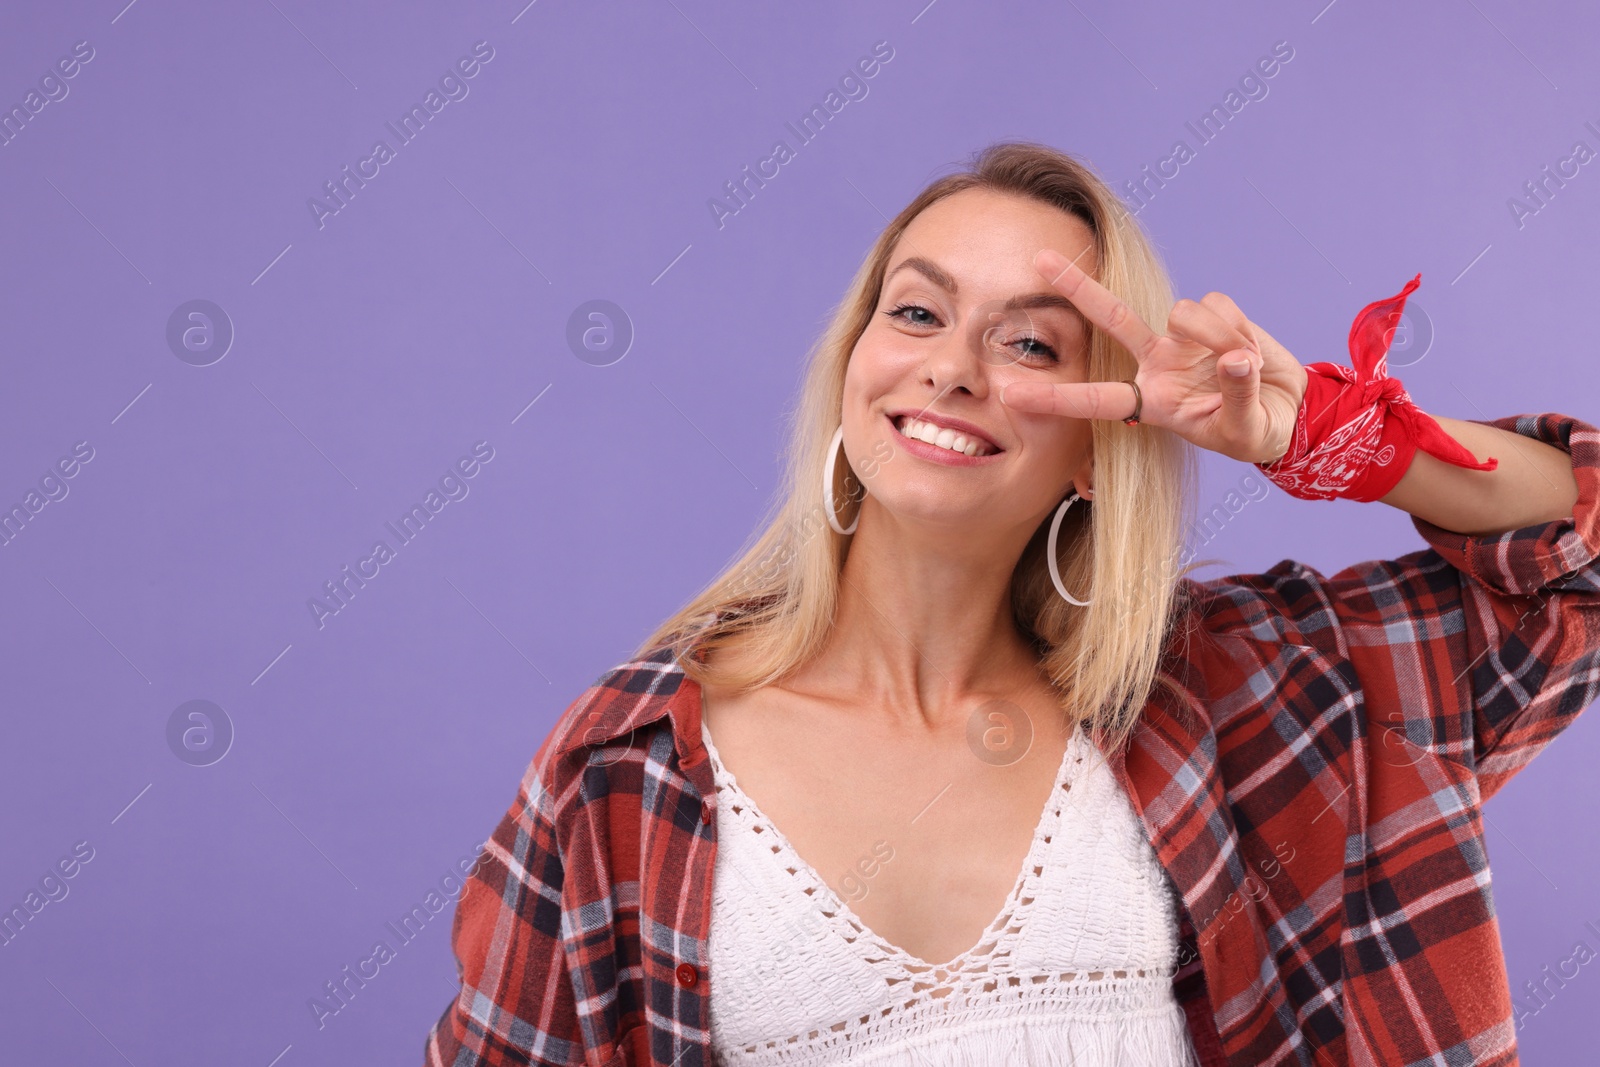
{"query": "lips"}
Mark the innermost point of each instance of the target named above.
(942, 440)
(960, 427)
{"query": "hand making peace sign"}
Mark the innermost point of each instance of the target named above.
(1182, 374)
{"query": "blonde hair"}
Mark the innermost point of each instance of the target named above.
(779, 597)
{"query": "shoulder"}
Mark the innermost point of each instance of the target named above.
(1234, 632)
(609, 724)
(1362, 603)
(1293, 603)
(1265, 603)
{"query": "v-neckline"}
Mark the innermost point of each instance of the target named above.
(834, 908)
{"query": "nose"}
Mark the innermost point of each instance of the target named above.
(960, 360)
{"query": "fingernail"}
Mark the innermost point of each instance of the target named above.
(1238, 369)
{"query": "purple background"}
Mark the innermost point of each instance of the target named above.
(432, 310)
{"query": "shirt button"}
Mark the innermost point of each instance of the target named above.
(687, 975)
(705, 813)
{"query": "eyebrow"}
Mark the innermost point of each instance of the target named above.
(942, 278)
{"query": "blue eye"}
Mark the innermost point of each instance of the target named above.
(897, 313)
(1044, 349)
(1042, 352)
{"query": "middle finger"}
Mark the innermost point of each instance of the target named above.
(1196, 322)
(1097, 303)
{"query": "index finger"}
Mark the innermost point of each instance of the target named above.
(1081, 400)
(1096, 302)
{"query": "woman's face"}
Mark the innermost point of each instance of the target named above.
(940, 347)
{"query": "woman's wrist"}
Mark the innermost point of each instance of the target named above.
(1299, 413)
(1357, 430)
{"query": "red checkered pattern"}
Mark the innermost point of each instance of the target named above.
(1314, 794)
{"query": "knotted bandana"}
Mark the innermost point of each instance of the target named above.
(1357, 429)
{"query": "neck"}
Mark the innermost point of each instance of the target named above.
(924, 626)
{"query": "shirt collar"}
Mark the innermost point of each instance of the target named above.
(635, 694)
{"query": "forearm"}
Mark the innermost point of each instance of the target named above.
(1533, 483)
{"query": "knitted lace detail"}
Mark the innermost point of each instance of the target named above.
(919, 1012)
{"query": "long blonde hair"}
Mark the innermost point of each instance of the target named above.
(779, 596)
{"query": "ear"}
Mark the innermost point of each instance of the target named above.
(1083, 480)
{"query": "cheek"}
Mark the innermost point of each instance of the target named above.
(865, 385)
(859, 384)
(1063, 443)
(1055, 447)
(878, 364)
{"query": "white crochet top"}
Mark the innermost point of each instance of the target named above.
(797, 979)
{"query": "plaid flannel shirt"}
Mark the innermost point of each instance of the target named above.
(1314, 795)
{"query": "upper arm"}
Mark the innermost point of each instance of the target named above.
(1527, 662)
(1478, 648)
(516, 1004)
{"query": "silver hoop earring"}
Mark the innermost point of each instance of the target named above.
(827, 485)
(1050, 551)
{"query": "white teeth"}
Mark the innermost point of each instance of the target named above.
(942, 437)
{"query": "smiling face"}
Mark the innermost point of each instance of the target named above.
(940, 346)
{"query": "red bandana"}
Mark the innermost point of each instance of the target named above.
(1358, 430)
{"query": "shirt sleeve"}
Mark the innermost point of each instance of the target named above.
(1478, 648)
(516, 1004)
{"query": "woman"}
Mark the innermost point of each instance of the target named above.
(964, 768)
